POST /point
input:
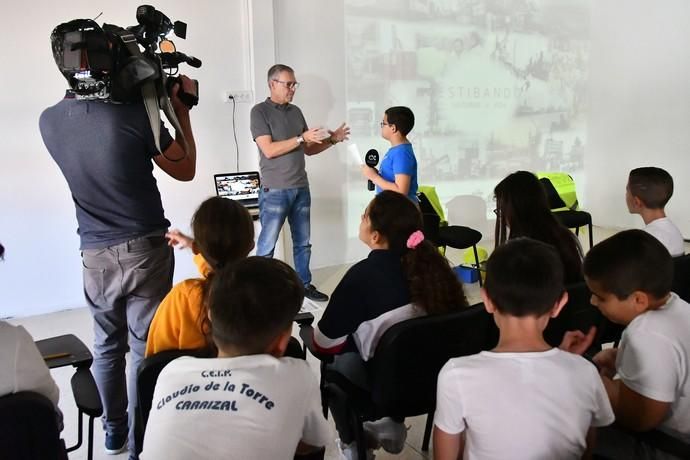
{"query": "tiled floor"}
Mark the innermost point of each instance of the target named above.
(78, 322)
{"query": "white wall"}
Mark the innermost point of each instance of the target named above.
(639, 104)
(42, 268)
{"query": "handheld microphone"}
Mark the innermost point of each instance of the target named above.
(371, 159)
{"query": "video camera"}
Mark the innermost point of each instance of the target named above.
(107, 63)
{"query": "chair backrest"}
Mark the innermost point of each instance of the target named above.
(28, 428)
(411, 353)
(563, 186)
(552, 197)
(577, 314)
(147, 377)
(431, 223)
(681, 277)
(429, 202)
(148, 372)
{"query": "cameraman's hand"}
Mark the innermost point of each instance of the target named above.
(189, 87)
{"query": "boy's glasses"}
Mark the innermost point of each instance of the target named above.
(383, 123)
(288, 84)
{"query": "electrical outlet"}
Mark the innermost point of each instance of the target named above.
(240, 97)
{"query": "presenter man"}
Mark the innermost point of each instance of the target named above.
(281, 133)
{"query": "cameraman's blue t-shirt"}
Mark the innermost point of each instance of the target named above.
(400, 160)
(105, 152)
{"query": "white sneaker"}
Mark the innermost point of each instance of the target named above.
(349, 451)
(388, 433)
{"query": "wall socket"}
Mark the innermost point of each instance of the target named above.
(240, 97)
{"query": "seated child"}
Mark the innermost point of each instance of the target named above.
(223, 233)
(250, 402)
(630, 277)
(646, 194)
(22, 367)
(522, 210)
(523, 399)
(404, 276)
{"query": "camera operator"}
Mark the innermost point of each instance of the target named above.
(104, 151)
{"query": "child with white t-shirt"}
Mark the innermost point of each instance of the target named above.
(250, 401)
(523, 399)
(646, 194)
(647, 377)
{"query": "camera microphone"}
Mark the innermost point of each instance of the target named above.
(371, 159)
(175, 58)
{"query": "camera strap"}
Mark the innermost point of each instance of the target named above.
(152, 102)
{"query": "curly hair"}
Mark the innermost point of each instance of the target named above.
(433, 285)
(522, 207)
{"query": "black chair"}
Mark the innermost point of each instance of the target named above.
(665, 442)
(147, 376)
(570, 218)
(656, 439)
(405, 367)
(577, 314)
(681, 277)
(29, 428)
(68, 350)
(442, 235)
(580, 314)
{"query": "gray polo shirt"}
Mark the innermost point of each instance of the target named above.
(281, 122)
(105, 151)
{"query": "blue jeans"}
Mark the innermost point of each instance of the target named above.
(295, 204)
(123, 285)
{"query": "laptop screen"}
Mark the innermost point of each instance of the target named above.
(243, 187)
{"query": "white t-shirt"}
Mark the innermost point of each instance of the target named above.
(665, 231)
(537, 405)
(239, 408)
(654, 360)
(22, 367)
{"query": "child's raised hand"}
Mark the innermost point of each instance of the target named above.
(179, 239)
(577, 342)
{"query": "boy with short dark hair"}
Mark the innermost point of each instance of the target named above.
(523, 399)
(250, 402)
(646, 194)
(630, 276)
(398, 170)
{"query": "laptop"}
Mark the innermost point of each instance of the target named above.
(242, 187)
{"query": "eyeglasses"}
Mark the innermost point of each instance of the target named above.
(383, 123)
(288, 84)
(496, 211)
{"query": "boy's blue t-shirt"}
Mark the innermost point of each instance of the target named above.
(400, 160)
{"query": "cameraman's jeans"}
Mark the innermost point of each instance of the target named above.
(274, 206)
(123, 285)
